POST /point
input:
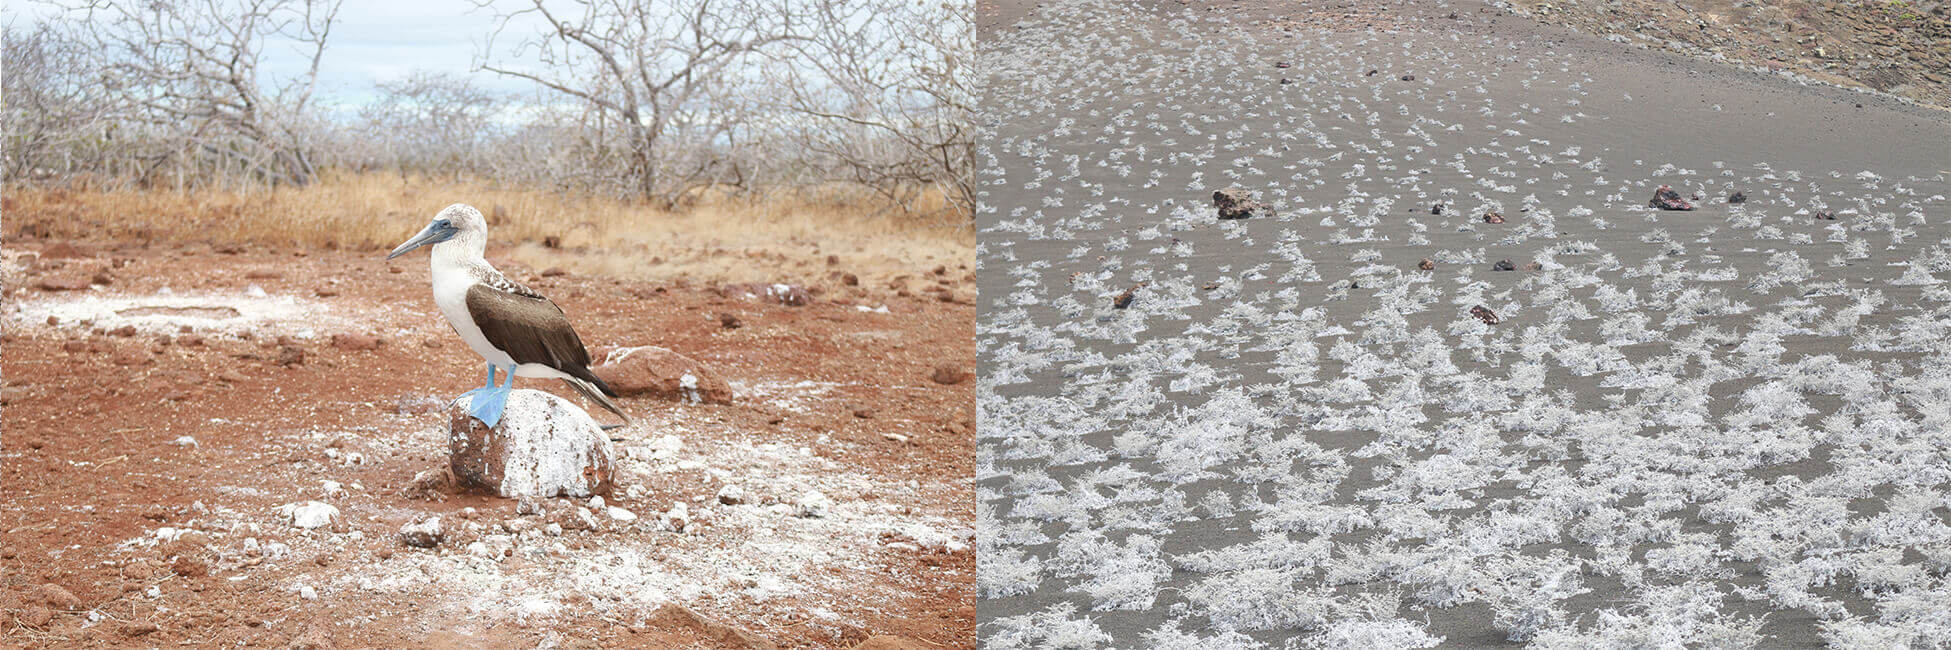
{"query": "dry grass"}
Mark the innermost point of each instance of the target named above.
(785, 237)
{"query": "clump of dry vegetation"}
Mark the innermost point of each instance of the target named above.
(713, 236)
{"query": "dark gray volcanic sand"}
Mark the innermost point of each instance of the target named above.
(1717, 428)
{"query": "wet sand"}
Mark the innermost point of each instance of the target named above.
(1572, 474)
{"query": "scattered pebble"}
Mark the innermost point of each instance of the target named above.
(425, 534)
(309, 515)
(814, 504)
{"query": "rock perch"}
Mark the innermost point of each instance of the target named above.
(544, 446)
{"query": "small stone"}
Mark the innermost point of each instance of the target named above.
(190, 566)
(678, 517)
(731, 495)
(63, 250)
(36, 616)
(729, 320)
(425, 534)
(620, 514)
(311, 514)
(813, 504)
(307, 592)
(314, 637)
(63, 284)
(138, 628)
(949, 374)
(426, 483)
(528, 506)
(782, 294)
(57, 597)
(355, 342)
(1238, 203)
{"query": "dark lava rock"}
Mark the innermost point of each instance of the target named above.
(1237, 203)
(1665, 198)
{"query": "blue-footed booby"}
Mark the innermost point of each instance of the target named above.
(513, 328)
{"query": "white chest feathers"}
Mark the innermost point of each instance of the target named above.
(450, 296)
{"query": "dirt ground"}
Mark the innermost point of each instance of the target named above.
(1894, 46)
(161, 404)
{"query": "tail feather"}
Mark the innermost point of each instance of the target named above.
(596, 391)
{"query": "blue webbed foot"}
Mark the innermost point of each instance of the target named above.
(487, 404)
(485, 387)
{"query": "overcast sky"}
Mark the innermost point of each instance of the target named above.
(376, 40)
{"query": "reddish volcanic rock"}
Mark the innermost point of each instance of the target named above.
(659, 372)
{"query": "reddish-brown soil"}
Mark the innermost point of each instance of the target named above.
(93, 468)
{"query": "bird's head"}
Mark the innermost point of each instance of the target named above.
(453, 221)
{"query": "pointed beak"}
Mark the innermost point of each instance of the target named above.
(434, 233)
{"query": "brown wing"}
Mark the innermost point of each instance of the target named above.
(529, 328)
